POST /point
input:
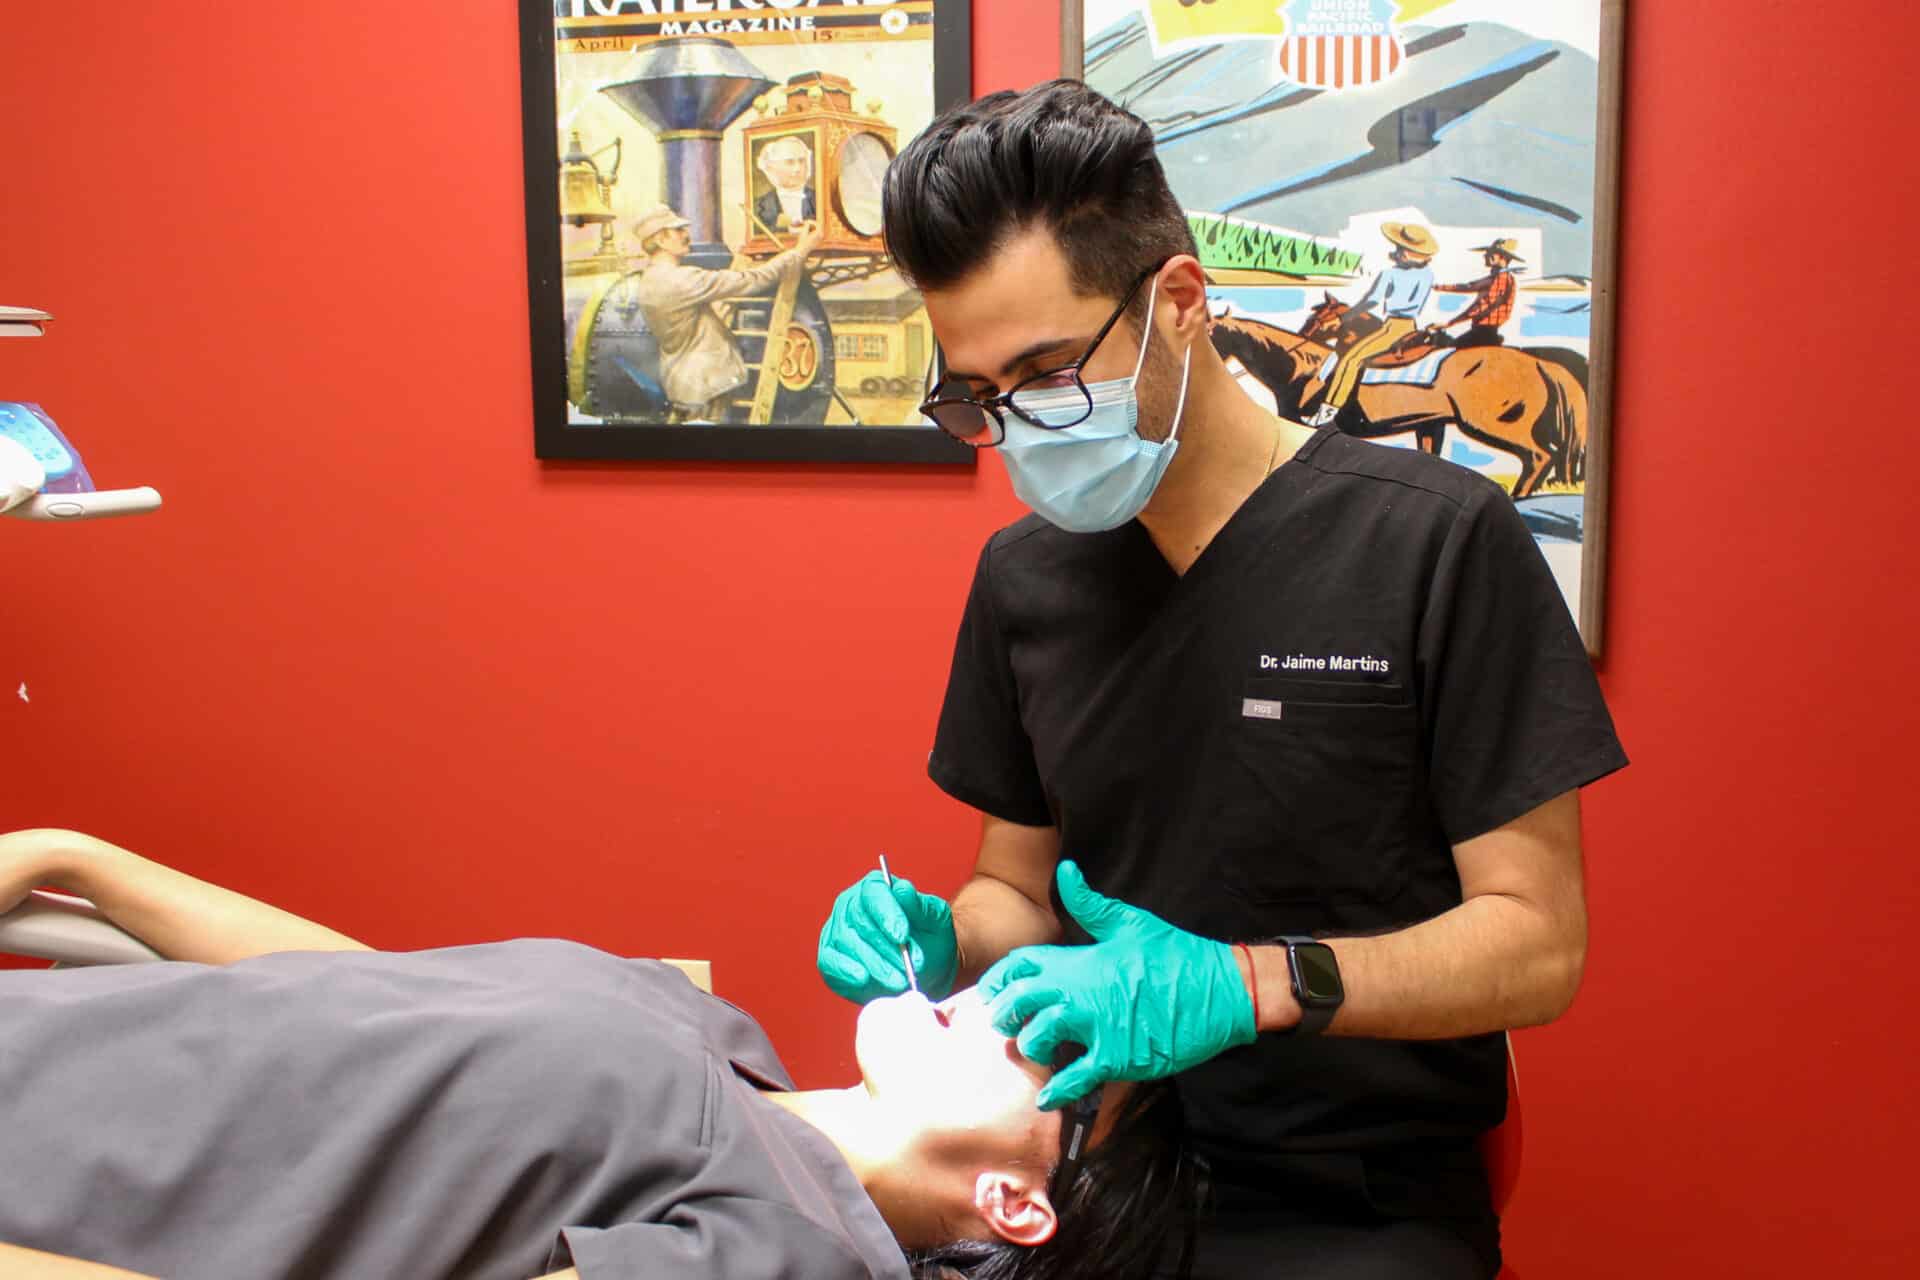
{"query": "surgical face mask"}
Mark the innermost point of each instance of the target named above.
(1097, 474)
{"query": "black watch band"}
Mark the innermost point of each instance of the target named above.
(1314, 973)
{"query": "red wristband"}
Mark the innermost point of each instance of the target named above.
(1253, 979)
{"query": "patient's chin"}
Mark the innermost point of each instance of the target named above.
(892, 1037)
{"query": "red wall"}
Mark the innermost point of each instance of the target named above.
(377, 664)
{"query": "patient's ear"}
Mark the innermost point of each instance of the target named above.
(1014, 1208)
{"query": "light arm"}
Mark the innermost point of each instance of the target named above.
(744, 282)
(1006, 904)
(1511, 955)
(177, 915)
(31, 1264)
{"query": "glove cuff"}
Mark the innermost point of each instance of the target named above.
(1246, 1011)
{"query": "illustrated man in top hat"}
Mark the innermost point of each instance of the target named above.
(786, 163)
(1398, 293)
(1494, 307)
(700, 367)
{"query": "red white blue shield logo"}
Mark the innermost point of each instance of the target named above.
(1340, 44)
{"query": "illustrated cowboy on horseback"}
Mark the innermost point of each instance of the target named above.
(1398, 294)
(1494, 305)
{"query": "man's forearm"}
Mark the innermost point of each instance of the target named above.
(30, 1264)
(1509, 956)
(991, 918)
(1490, 964)
(180, 917)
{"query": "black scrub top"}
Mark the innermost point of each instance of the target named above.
(1369, 664)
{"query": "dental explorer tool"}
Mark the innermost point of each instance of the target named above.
(913, 983)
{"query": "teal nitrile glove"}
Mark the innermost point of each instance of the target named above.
(1146, 999)
(860, 943)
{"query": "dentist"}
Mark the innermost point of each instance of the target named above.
(1276, 735)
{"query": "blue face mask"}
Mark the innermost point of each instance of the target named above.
(1097, 474)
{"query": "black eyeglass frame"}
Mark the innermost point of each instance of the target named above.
(991, 406)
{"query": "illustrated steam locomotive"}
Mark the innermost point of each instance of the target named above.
(805, 353)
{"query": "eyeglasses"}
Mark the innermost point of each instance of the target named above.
(1055, 399)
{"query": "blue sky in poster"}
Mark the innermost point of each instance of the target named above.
(1572, 22)
(1485, 130)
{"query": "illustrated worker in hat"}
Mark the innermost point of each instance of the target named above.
(700, 366)
(1494, 307)
(1398, 294)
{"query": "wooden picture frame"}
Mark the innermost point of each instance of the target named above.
(1284, 222)
(643, 129)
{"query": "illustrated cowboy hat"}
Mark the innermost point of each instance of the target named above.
(1507, 248)
(1412, 237)
(657, 219)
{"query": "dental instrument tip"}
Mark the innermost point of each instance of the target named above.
(906, 959)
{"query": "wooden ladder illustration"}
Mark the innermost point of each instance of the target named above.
(771, 355)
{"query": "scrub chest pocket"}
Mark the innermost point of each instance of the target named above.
(1317, 784)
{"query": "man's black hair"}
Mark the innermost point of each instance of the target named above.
(1058, 156)
(1133, 1204)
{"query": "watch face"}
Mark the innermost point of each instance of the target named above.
(863, 164)
(1319, 973)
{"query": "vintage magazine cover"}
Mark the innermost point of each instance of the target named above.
(1433, 160)
(700, 141)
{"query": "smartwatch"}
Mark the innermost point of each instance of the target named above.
(1315, 975)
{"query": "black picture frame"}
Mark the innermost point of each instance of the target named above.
(555, 438)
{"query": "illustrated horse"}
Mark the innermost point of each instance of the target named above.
(1533, 407)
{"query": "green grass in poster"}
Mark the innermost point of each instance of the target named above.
(1229, 244)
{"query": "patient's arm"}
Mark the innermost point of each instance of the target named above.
(30, 1264)
(180, 917)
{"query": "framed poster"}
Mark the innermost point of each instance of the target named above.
(705, 268)
(1406, 208)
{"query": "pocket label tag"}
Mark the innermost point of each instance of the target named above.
(1260, 708)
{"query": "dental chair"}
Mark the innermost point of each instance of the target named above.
(68, 931)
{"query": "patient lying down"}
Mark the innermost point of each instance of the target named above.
(289, 1103)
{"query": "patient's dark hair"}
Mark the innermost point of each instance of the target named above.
(1058, 155)
(1134, 1203)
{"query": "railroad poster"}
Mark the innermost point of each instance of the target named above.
(1406, 209)
(723, 289)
